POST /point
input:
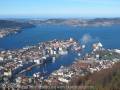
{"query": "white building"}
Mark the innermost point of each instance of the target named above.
(1, 58)
(61, 79)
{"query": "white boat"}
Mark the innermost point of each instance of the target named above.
(79, 54)
(53, 59)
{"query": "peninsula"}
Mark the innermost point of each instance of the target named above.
(8, 27)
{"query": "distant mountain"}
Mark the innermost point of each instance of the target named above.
(79, 22)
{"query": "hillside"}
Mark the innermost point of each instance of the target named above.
(14, 24)
(79, 22)
(107, 79)
(7, 27)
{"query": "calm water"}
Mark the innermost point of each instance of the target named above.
(109, 36)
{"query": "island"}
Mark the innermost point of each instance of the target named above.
(78, 22)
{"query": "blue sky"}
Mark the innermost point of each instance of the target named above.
(60, 8)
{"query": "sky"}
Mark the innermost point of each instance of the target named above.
(59, 8)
